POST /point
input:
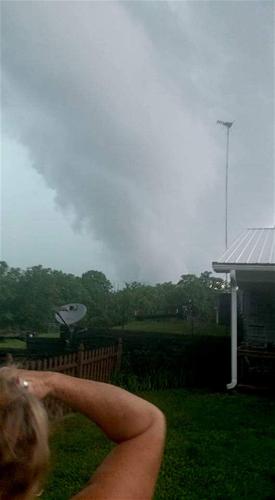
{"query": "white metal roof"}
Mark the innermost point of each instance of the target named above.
(253, 249)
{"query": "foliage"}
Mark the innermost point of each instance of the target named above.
(218, 446)
(178, 326)
(98, 291)
(28, 297)
(160, 361)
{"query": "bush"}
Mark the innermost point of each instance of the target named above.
(153, 362)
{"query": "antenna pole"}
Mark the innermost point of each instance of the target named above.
(228, 125)
(226, 188)
(62, 319)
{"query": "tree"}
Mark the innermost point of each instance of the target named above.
(28, 297)
(10, 278)
(200, 294)
(99, 290)
(212, 281)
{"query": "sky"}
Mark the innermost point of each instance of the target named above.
(111, 157)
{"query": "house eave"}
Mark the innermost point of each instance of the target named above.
(223, 267)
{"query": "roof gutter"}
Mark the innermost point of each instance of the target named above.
(223, 267)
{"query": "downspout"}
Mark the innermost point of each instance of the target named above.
(234, 331)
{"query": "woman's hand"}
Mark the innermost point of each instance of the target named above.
(38, 382)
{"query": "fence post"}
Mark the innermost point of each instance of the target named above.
(119, 356)
(80, 358)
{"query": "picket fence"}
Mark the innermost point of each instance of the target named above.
(99, 365)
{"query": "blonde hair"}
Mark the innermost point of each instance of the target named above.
(24, 451)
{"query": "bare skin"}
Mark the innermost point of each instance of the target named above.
(138, 428)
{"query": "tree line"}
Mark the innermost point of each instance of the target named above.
(29, 297)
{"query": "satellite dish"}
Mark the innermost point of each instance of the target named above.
(70, 313)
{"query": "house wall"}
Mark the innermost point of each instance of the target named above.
(258, 313)
(223, 311)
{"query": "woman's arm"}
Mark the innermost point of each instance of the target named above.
(120, 414)
(130, 471)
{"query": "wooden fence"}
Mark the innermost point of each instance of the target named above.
(98, 365)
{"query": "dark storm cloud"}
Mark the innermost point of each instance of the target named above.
(117, 104)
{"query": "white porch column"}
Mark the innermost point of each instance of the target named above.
(234, 331)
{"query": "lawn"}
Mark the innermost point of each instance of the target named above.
(12, 343)
(176, 326)
(50, 335)
(219, 446)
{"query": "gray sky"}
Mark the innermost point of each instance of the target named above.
(111, 155)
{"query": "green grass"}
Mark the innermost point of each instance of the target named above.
(219, 447)
(50, 335)
(12, 343)
(176, 326)
(20, 344)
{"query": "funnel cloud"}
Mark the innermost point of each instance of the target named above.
(117, 103)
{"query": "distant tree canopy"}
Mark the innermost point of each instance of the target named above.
(28, 297)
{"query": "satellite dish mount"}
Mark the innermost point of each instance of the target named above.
(67, 316)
